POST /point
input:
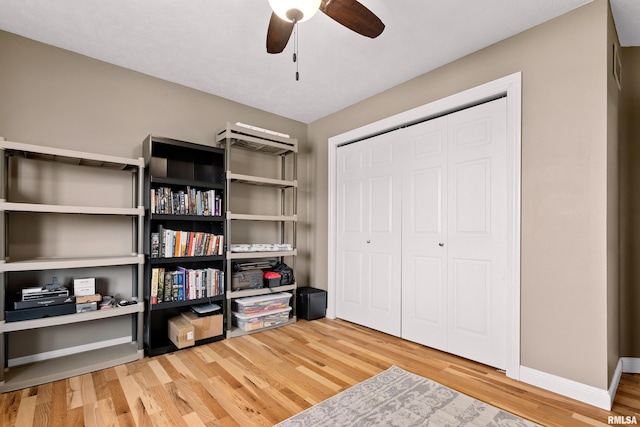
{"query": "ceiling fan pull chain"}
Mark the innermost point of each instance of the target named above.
(295, 49)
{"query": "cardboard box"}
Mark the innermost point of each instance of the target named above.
(206, 326)
(84, 286)
(181, 332)
(88, 298)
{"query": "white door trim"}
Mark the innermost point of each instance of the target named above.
(511, 86)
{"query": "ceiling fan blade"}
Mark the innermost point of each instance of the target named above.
(353, 15)
(278, 34)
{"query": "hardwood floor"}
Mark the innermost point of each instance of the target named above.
(261, 379)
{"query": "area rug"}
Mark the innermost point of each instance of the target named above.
(396, 397)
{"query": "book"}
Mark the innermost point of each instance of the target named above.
(162, 241)
(192, 242)
(153, 297)
(168, 286)
(184, 236)
(168, 248)
(155, 245)
(176, 247)
(184, 277)
(176, 284)
(160, 285)
(220, 245)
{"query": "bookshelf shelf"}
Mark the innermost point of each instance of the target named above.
(180, 217)
(83, 210)
(174, 169)
(270, 254)
(65, 263)
(71, 318)
(72, 157)
(271, 147)
(255, 217)
(256, 140)
(262, 181)
(185, 259)
(46, 342)
(186, 182)
(187, 303)
(254, 292)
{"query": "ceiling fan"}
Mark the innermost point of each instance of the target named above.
(287, 13)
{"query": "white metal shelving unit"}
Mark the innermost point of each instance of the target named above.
(35, 373)
(233, 137)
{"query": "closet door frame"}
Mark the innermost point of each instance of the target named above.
(509, 86)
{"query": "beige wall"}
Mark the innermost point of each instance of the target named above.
(564, 181)
(613, 202)
(630, 203)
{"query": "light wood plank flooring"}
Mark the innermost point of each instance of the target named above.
(261, 379)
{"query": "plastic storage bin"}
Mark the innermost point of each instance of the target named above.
(251, 322)
(262, 303)
(311, 303)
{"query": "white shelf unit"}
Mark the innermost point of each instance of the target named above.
(93, 356)
(263, 143)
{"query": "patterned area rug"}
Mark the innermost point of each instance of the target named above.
(396, 397)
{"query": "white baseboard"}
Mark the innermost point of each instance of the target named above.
(584, 393)
(630, 365)
(39, 357)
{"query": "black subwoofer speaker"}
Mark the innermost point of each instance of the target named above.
(311, 303)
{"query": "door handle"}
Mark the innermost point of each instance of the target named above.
(441, 244)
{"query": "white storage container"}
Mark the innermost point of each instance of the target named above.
(251, 322)
(262, 303)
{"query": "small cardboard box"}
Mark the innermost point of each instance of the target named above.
(206, 326)
(88, 298)
(181, 332)
(83, 287)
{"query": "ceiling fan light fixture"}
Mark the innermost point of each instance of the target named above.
(295, 10)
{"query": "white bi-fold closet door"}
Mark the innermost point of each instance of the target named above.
(369, 243)
(422, 237)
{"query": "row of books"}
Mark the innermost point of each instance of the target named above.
(166, 243)
(185, 284)
(186, 202)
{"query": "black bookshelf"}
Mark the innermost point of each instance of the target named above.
(189, 185)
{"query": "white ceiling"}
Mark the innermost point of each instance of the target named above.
(218, 46)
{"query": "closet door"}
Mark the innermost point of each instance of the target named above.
(368, 234)
(477, 234)
(454, 235)
(424, 230)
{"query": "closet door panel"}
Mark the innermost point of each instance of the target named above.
(383, 284)
(471, 207)
(424, 263)
(477, 234)
(470, 296)
(369, 226)
(353, 291)
(352, 262)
